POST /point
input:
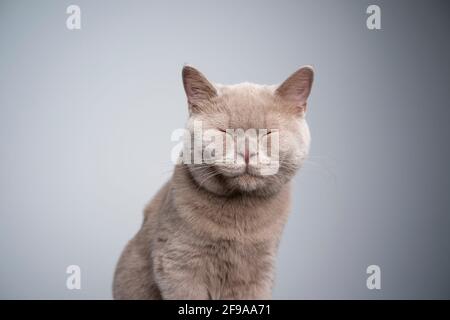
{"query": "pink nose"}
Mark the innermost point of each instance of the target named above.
(246, 155)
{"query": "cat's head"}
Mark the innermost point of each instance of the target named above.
(246, 138)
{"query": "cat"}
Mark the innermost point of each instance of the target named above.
(212, 231)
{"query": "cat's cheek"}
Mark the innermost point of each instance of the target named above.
(287, 143)
(305, 134)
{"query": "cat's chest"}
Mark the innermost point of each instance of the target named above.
(234, 265)
(238, 260)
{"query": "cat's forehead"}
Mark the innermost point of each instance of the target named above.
(246, 93)
(246, 98)
(247, 104)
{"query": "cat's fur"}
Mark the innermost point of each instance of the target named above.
(212, 231)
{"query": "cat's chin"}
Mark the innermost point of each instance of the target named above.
(242, 179)
(246, 182)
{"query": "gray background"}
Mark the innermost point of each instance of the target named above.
(86, 118)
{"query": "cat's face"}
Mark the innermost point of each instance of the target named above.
(246, 138)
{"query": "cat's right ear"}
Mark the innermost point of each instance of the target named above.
(297, 87)
(198, 89)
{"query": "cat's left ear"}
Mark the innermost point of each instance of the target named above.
(297, 87)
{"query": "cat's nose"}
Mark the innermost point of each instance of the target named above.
(247, 151)
(248, 154)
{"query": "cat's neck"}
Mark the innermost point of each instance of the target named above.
(237, 215)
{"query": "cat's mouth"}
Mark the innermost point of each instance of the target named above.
(245, 175)
(248, 170)
(240, 172)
